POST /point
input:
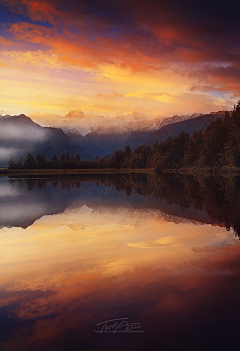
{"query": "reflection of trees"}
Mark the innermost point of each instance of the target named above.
(30, 183)
(220, 197)
(11, 183)
(63, 185)
(41, 183)
(20, 183)
(55, 184)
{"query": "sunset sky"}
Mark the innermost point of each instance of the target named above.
(111, 57)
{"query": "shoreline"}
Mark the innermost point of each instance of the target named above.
(225, 171)
(73, 171)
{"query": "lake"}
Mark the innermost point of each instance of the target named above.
(119, 262)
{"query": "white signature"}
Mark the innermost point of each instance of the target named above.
(119, 325)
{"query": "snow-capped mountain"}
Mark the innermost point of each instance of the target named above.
(75, 123)
(103, 136)
(100, 136)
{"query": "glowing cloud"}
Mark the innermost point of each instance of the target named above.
(82, 49)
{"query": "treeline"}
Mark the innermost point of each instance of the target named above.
(121, 159)
(65, 161)
(218, 146)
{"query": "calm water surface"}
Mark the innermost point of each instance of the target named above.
(128, 264)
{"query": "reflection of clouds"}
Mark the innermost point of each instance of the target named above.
(21, 212)
(87, 295)
(181, 239)
(58, 280)
(6, 191)
(142, 245)
(155, 243)
(75, 227)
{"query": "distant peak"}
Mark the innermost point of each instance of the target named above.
(136, 114)
(75, 114)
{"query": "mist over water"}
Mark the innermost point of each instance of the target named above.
(98, 262)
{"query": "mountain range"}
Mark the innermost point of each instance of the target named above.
(188, 126)
(113, 134)
(92, 137)
(105, 140)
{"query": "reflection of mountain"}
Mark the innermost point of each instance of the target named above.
(189, 213)
(20, 135)
(167, 198)
(21, 207)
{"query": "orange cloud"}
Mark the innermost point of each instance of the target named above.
(3, 64)
(127, 46)
(77, 62)
(4, 41)
(38, 58)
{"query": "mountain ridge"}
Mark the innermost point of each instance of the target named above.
(188, 126)
(23, 135)
(106, 140)
(19, 134)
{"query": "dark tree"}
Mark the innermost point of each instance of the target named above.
(30, 162)
(11, 163)
(20, 161)
(39, 159)
(127, 150)
(62, 157)
(44, 158)
(54, 158)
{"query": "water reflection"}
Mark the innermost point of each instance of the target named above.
(114, 248)
(207, 200)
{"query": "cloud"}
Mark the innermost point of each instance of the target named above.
(6, 151)
(3, 64)
(37, 58)
(26, 133)
(4, 41)
(163, 47)
(5, 190)
(129, 31)
(161, 97)
(109, 97)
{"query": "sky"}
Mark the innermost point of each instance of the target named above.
(113, 57)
